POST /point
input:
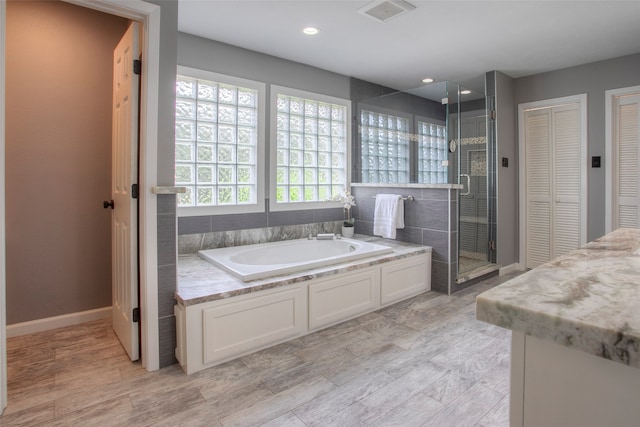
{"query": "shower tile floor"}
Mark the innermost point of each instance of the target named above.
(422, 362)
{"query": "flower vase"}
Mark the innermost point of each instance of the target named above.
(347, 231)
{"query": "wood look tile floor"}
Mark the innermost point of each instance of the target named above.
(422, 362)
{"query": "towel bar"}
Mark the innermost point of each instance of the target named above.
(408, 198)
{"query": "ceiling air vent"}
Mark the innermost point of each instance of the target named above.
(384, 10)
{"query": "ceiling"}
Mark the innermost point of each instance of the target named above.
(447, 40)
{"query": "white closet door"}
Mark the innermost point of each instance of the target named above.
(538, 186)
(553, 182)
(566, 180)
(626, 141)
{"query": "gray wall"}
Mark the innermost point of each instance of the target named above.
(197, 52)
(593, 79)
(507, 177)
(58, 158)
(429, 220)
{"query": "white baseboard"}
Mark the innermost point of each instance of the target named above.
(49, 323)
(510, 269)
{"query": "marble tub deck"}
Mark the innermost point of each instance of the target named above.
(200, 281)
(587, 300)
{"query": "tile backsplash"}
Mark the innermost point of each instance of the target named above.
(192, 243)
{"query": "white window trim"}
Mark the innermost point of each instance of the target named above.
(273, 135)
(259, 206)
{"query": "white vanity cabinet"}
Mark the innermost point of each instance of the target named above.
(213, 332)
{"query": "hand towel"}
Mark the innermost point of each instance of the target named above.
(388, 215)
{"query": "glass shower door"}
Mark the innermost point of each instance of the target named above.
(468, 128)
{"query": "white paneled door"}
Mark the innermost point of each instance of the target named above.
(124, 223)
(554, 185)
(625, 153)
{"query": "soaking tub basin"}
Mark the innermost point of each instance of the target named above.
(263, 260)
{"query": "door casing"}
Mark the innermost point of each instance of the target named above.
(610, 95)
(149, 16)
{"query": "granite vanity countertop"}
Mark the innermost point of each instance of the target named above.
(200, 281)
(588, 300)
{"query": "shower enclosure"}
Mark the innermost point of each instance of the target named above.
(429, 141)
(470, 136)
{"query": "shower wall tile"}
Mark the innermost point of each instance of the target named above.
(431, 214)
(410, 235)
(440, 277)
(434, 194)
(431, 220)
(439, 241)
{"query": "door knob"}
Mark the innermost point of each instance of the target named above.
(106, 204)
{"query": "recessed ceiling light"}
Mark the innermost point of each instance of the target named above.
(465, 92)
(311, 31)
(427, 80)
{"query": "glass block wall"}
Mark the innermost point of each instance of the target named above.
(432, 151)
(311, 156)
(385, 148)
(216, 143)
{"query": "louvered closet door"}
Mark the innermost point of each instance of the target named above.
(626, 140)
(538, 186)
(566, 181)
(552, 155)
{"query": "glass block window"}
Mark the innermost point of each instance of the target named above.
(385, 148)
(217, 142)
(432, 151)
(311, 146)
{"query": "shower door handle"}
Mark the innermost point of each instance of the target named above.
(468, 184)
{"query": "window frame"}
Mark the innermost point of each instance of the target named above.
(275, 90)
(261, 88)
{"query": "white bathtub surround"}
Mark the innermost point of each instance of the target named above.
(192, 243)
(271, 259)
(219, 317)
(576, 339)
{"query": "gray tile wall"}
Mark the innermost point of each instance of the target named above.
(430, 220)
(167, 277)
(216, 223)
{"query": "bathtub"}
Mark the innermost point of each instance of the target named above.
(263, 260)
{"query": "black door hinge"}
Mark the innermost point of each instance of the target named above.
(137, 66)
(134, 191)
(136, 315)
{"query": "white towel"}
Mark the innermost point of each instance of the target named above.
(388, 215)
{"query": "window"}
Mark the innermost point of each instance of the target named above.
(310, 148)
(432, 152)
(219, 143)
(384, 147)
(399, 147)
